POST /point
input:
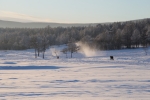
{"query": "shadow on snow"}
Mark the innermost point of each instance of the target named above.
(28, 67)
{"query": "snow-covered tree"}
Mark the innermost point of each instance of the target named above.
(126, 35)
(136, 37)
(118, 42)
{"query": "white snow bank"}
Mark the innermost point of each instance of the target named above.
(95, 77)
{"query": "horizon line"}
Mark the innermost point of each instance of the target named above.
(71, 22)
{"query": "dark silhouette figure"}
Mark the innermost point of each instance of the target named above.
(111, 58)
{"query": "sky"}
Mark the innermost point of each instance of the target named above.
(74, 11)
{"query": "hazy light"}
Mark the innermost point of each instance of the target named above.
(7, 15)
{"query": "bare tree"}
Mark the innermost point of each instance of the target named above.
(44, 43)
(39, 43)
(146, 48)
(65, 51)
(72, 46)
(34, 44)
(148, 36)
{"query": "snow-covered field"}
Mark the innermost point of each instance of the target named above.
(84, 77)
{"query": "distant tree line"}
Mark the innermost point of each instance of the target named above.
(117, 35)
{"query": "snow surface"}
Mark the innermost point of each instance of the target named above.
(83, 77)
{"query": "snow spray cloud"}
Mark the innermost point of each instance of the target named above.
(55, 52)
(87, 50)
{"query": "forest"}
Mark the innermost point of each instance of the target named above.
(110, 36)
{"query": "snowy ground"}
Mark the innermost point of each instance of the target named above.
(96, 77)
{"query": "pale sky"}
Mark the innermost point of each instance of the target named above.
(74, 11)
